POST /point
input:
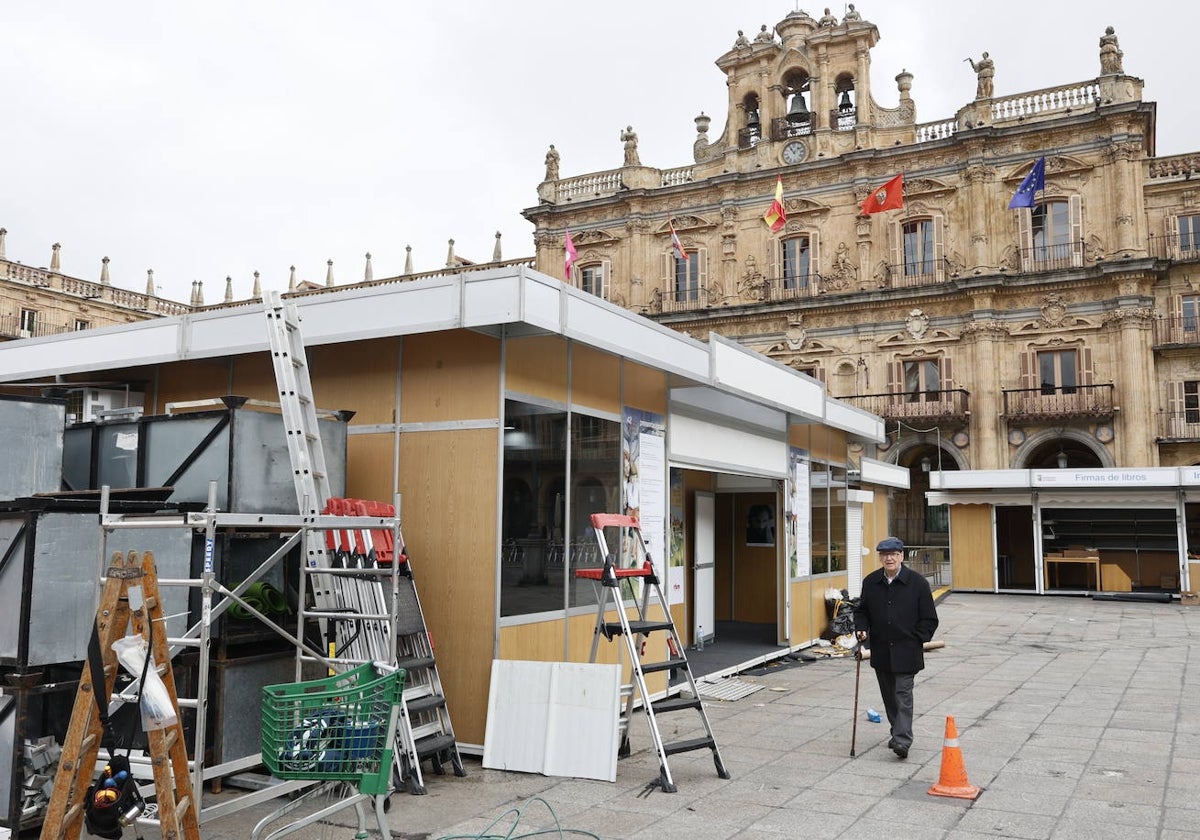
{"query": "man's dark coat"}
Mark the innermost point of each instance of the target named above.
(900, 618)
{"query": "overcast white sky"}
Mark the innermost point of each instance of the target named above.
(216, 138)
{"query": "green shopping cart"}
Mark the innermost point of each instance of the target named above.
(338, 731)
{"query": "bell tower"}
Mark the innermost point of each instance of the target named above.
(803, 91)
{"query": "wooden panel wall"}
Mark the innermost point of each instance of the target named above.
(450, 376)
(801, 617)
(595, 379)
(971, 547)
(254, 377)
(822, 443)
(644, 388)
(200, 379)
(449, 518)
(370, 468)
(359, 375)
(755, 568)
(1194, 576)
(536, 365)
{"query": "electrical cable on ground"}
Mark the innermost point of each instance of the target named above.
(517, 813)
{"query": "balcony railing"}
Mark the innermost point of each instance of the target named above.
(682, 300)
(10, 327)
(782, 128)
(749, 137)
(919, 273)
(1175, 246)
(948, 405)
(1178, 329)
(1179, 425)
(1059, 402)
(1052, 257)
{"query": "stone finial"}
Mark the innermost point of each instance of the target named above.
(199, 292)
(228, 289)
(192, 298)
(256, 292)
(368, 275)
(104, 281)
(408, 259)
(55, 263)
(292, 280)
(329, 273)
(3, 233)
(151, 291)
(450, 258)
(496, 250)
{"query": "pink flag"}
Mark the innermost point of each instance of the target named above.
(675, 243)
(570, 256)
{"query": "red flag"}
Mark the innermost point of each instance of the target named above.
(775, 217)
(888, 197)
(570, 256)
(675, 243)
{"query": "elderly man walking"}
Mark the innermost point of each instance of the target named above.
(896, 613)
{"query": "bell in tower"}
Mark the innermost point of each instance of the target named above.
(798, 112)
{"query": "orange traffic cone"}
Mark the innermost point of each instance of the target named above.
(953, 779)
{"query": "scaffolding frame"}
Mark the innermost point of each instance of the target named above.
(199, 635)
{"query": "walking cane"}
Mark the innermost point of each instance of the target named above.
(857, 674)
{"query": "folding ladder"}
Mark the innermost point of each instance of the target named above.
(615, 578)
(425, 731)
(358, 604)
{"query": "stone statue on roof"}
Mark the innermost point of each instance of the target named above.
(764, 37)
(742, 40)
(827, 19)
(851, 15)
(1110, 53)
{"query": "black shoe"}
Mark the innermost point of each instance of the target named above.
(901, 752)
(891, 743)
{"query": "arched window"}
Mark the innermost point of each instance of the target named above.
(751, 131)
(798, 119)
(846, 115)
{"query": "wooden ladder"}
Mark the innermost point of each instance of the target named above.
(130, 595)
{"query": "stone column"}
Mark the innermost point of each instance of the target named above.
(1135, 386)
(978, 178)
(989, 441)
(1125, 160)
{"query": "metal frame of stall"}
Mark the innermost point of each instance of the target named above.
(199, 636)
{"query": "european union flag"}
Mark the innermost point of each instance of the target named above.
(1034, 181)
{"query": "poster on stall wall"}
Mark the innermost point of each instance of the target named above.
(676, 571)
(643, 470)
(799, 511)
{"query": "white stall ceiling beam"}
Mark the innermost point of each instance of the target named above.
(883, 474)
(709, 445)
(743, 371)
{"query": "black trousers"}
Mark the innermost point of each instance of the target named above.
(897, 693)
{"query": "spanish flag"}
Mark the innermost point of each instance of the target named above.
(776, 217)
(888, 197)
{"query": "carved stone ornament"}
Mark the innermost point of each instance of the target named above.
(1140, 314)
(753, 286)
(795, 334)
(1053, 310)
(917, 323)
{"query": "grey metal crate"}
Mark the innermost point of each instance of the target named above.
(32, 456)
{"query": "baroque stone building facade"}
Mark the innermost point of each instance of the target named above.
(1063, 334)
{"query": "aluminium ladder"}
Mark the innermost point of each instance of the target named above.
(614, 579)
(358, 605)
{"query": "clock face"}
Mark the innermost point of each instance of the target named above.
(794, 152)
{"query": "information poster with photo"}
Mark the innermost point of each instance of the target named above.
(644, 471)
(676, 571)
(799, 512)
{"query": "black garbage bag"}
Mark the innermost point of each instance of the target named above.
(841, 621)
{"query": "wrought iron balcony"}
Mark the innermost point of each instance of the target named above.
(1052, 257)
(1065, 402)
(782, 128)
(1180, 330)
(679, 300)
(749, 137)
(1180, 247)
(951, 405)
(916, 273)
(1179, 425)
(10, 327)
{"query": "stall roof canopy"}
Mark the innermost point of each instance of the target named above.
(500, 301)
(1000, 486)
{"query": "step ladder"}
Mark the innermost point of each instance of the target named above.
(425, 731)
(623, 573)
(361, 630)
(130, 595)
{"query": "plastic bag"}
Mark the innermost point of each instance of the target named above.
(157, 709)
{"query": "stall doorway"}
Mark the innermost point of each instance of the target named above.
(1016, 559)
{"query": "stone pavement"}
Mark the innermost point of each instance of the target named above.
(1079, 720)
